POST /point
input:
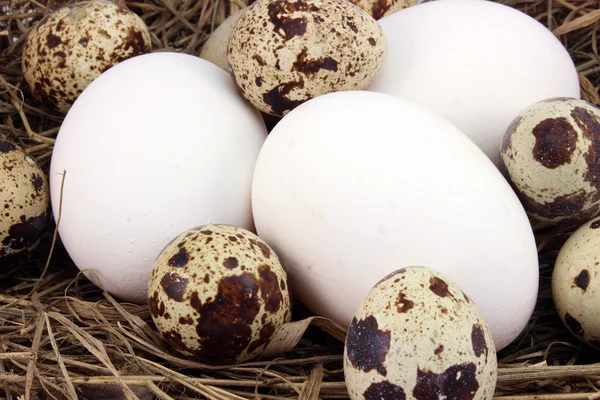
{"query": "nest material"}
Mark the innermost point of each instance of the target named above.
(62, 337)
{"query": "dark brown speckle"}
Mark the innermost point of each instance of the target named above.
(589, 123)
(478, 340)
(582, 280)
(384, 390)
(269, 289)
(459, 382)
(180, 259)
(174, 286)
(439, 287)
(555, 142)
(230, 263)
(224, 328)
(367, 346)
(574, 325)
(403, 304)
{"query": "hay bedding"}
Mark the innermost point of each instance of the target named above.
(61, 337)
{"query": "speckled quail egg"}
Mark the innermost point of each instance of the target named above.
(576, 283)
(380, 8)
(72, 46)
(24, 201)
(418, 336)
(282, 53)
(217, 293)
(550, 155)
(215, 47)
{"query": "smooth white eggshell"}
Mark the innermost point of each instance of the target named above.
(354, 185)
(459, 59)
(156, 145)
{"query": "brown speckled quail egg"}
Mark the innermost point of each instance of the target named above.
(576, 283)
(72, 46)
(24, 201)
(282, 53)
(217, 293)
(550, 155)
(380, 8)
(215, 47)
(418, 336)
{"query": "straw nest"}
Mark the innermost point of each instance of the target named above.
(61, 337)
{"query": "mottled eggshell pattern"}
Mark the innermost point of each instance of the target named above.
(576, 283)
(218, 293)
(418, 336)
(550, 154)
(282, 53)
(215, 48)
(380, 8)
(72, 46)
(24, 200)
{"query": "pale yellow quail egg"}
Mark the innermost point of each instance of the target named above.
(380, 8)
(217, 293)
(215, 47)
(418, 336)
(24, 200)
(72, 46)
(576, 283)
(282, 53)
(550, 154)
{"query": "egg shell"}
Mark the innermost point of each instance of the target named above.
(218, 293)
(284, 52)
(24, 200)
(550, 154)
(479, 82)
(576, 283)
(72, 46)
(215, 47)
(417, 335)
(145, 162)
(351, 185)
(380, 8)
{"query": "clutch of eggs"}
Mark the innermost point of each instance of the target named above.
(350, 186)
(155, 145)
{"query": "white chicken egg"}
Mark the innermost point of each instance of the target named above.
(353, 185)
(458, 59)
(156, 145)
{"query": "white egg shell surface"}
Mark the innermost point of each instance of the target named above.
(282, 53)
(418, 336)
(218, 293)
(458, 59)
(24, 200)
(352, 185)
(156, 145)
(550, 154)
(576, 283)
(215, 47)
(72, 46)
